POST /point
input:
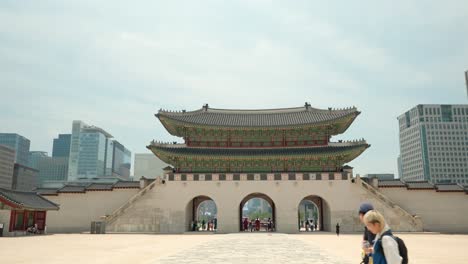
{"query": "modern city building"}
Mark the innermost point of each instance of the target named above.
(52, 169)
(121, 161)
(24, 178)
(74, 150)
(94, 154)
(35, 157)
(148, 165)
(434, 143)
(19, 143)
(400, 169)
(61, 147)
(466, 82)
(7, 163)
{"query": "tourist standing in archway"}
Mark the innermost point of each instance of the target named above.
(257, 224)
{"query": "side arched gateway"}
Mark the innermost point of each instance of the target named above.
(201, 214)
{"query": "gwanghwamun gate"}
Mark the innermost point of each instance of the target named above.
(283, 156)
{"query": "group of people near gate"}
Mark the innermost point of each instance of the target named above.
(379, 245)
(256, 225)
(309, 225)
(210, 225)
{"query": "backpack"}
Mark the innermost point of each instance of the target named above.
(401, 247)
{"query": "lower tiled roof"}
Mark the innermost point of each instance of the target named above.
(127, 184)
(47, 191)
(100, 187)
(89, 187)
(72, 189)
(449, 188)
(27, 200)
(421, 185)
(283, 151)
(391, 183)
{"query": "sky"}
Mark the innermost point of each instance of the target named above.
(114, 64)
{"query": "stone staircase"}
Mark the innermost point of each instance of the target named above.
(110, 219)
(405, 221)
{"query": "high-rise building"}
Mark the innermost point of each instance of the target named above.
(148, 165)
(7, 163)
(466, 82)
(400, 169)
(19, 143)
(61, 146)
(53, 169)
(35, 157)
(121, 161)
(24, 178)
(94, 154)
(434, 143)
(74, 150)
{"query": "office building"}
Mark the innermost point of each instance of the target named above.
(434, 143)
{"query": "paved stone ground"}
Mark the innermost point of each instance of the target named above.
(253, 248)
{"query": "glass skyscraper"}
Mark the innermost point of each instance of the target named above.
(94, 154)
(121, 161)
(19, 143)
(62, 146)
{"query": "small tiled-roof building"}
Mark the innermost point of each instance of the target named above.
(20, 210)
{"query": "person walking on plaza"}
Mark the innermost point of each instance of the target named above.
(337, 229)
(251, 226)
(368, 237)
(257, 224)
(385, 249)
(246, 224)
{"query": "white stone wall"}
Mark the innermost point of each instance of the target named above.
(5, 220)
(166, 207)
(77, 210)
(439, 211)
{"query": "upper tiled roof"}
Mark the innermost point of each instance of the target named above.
(449, 188)
(180, 149)
(257, 118)
(392, 183)
(27, 200)
(422, 185)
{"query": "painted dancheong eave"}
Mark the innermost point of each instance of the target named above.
(326, 158)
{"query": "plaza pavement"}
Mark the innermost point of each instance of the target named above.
(218, 248)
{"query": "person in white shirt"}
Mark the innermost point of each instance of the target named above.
(385, 250)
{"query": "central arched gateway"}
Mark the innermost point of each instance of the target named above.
(260, 196)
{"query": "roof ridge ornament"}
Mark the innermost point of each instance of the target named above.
(205, 107)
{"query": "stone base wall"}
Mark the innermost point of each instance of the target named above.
(166, 207)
